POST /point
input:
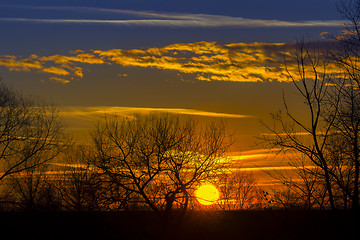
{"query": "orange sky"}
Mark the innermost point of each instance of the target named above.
(240, 82)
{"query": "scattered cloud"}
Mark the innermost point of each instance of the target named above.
(55, 70)
(59, 80)
(122, 75)
(58, 65)
(204, 61)
(209, 61)
(79, 57)
(14, 64)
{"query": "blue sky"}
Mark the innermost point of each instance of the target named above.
(264, 9)
(22, 34)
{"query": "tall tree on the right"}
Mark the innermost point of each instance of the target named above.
(327, 77)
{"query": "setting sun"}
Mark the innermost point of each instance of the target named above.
(207, 194)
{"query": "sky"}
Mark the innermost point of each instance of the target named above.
(209, 59)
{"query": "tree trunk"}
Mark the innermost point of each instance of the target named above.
(329, 189)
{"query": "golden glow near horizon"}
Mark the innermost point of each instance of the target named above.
(207, 61)
(207, 194)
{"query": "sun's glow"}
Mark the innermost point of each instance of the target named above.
(207, 194)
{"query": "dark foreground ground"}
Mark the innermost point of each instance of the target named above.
(242, 225)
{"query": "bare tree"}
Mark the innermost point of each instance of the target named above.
(30, 133)
(328, 82)
(302, 186)
(310, 136)
(30, 136)
(158, 158)
(346, 56)
(83, 188)
(238, 191)
(33, 189)
(79, 185)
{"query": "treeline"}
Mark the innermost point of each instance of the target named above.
(134, 162)
(138, 162)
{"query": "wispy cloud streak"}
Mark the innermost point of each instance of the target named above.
(95, 113)
(205, 21)
(169, 19)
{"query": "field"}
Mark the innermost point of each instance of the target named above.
(271, 224)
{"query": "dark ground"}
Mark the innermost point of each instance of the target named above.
(242, 225)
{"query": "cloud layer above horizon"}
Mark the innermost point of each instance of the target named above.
(206, 61)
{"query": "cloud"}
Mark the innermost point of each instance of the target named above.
(204, 61)
(201, 20)
(55, 70)
(80, 119)
(58, 65)
(25, 65)
(156, 19)
(274, 168)
(95, 112)
(209, 61)
(60, 80)
(81, 58)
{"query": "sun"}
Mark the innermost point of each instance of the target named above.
(207, 194)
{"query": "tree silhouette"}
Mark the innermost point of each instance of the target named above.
(33, 190)
(239, 191)
(79, 185)
(327, 141)
(30, 132)
(159, 158)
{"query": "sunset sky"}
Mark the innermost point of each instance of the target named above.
(210, 59)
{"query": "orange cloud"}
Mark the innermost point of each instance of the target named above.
(212, 62)
(82, 58)
(207, 61)
(55, 70)
(56, 65)
(60, 80)
(13, 64)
